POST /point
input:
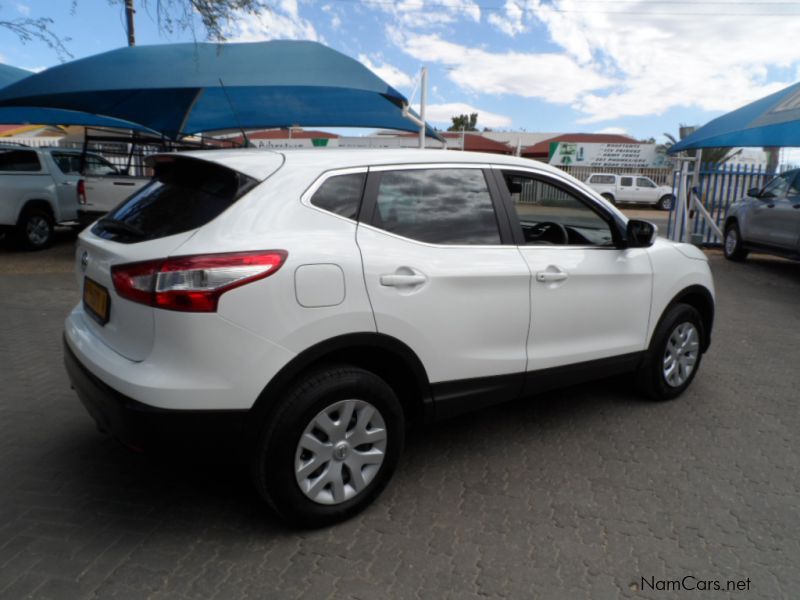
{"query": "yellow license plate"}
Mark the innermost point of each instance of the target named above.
(96, 300)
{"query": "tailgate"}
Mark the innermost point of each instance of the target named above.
(129, 328)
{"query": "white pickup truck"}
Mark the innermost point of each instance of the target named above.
(42, 187)
(631, 188)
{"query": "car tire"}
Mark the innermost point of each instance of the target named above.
(732, 244)
(610, 198)
(665, 202)
(304, 465)
(674, 355)
(35, 229)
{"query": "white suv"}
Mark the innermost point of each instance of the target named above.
(311, 305)
(631, 188)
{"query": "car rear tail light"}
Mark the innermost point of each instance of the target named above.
(192, 283)
(81, 189)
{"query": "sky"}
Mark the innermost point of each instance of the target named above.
(639, 67)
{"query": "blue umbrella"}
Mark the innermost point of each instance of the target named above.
(182, 89)
(25, 115)
(771, 121)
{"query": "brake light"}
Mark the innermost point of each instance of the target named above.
(192, 283)
(81, 189)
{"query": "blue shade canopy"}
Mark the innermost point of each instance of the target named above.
(23, 115)
(771, 121)
(182, 89)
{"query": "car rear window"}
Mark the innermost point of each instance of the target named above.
(602, 179)
(341, 194)
(185, 193)
(19, 160)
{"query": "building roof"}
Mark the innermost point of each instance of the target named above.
(542, 149)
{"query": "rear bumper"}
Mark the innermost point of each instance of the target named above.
(142, 427)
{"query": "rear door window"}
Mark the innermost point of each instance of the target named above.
(185, 193)
(25, 161)
(626, 181)
(437, 206)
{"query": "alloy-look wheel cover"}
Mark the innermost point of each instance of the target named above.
(340, 451)
(680, 356)
(38, 230)
(731, 240)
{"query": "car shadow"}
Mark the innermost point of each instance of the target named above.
(184, 493)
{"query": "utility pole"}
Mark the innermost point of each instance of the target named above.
(423, 100)
(129, 12)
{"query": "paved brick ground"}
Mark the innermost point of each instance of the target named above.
(577, 495)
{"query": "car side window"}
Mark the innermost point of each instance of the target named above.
(551, 215)
(626, 181)
(644, 182)
(602, 179)
(341, 194)
(794, 187)
(19, 160)
(437, 206)
(777, 187)
(98, 166)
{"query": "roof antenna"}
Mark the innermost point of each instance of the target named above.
(235, 115)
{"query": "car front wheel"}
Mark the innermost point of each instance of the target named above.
(674, 354)
(330, 447)
(733, 244)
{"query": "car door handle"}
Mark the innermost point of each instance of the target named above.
(795, 205)
(128, 183)
(395, 280)
(550, 276)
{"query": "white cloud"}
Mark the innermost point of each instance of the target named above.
(613, 130)
(424, 14)
(442, 113)
(511, 23)
(550, 76)
(281, 21)
(669, 60)
(23, 9)
(389, 73)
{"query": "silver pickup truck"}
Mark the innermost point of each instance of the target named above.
(42, 187)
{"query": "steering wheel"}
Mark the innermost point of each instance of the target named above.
(549, 232)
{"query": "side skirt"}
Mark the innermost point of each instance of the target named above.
(451, 398)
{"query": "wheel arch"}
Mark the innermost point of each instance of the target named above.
(386, 356)
(34, 204)
(700, 298)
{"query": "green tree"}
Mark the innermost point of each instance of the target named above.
(172, 16)
(710, 155)
(464, 123)
(175, 16)
(37, 30)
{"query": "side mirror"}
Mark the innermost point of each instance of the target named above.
(754, 192)
(640, 234)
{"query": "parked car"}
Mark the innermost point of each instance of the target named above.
(766, 220)
(631, 188)
(313, 305)
(41, 187)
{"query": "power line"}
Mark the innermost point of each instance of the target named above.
(552, 8)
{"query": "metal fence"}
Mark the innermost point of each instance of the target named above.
(660, 176)
(719, 185)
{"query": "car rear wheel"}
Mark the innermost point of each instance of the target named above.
(609, 197)
(330, 447)
(666, 202)
(674, 354)
(733, 244)
(35, 229)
